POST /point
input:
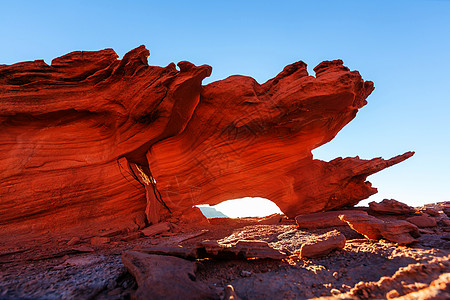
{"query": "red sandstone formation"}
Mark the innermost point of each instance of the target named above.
(77, 133)
(322, 245)
(323, 219)
(398, 231)
(391, 207)
(65, 125)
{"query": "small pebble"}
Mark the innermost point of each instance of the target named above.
(246, 273)
(335, 291)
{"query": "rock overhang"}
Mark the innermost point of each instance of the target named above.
(202, 144)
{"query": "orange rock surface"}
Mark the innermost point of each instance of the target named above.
(77, 133)
(67, 128)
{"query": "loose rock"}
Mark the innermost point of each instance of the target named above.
(73, 241)
(131, 237)
(423, 221)
(323, 219)
(323, 244)
(156, 229)
(98, 240)
(398, 231)
(391, 207)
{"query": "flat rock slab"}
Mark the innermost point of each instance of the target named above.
(274, 219)
(391, 207)
(323, 244)
(156, 229)
(98, 240)
(165, 277)
(397, 231)
(323, 219)
(423, 221)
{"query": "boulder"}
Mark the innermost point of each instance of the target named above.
(156, 229)
(131, 237)
(391, 207)
(446, 208)
(430, 211)
(73, 241)
(323, 244)
(98, 240)
(398, 231)
(273, 219)
(422, 221)
(193, 216)
(323, 219)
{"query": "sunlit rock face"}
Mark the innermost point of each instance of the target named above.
(247, 139)
(67, 127)
(75, 135)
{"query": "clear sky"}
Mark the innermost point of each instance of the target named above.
(403, 46)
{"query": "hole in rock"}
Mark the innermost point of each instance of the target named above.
(241, 208)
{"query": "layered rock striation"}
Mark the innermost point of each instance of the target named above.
(70, 129)
(91, 139)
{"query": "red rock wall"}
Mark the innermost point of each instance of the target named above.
(70, 129)
(247, 139)
(64, 126)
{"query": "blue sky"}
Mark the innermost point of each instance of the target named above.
(403, 46)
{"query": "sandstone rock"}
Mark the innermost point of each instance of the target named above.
(73, 241)
(438, 289)
(405, 280)
(140, 220)
(446, 222)
(165, 277)
(91, 133)
(254, 249)
(398, 231)
(193, 216)
(426, 231)
(322, 245)
(82, 249)
(112, 232)
(364, 224)
(391, 206)
(392, 294)
(271, 220)
(98, 240)
(430, 211)
(422, 221)
(72, 123)
(446, 210)
(323, 219)
(131, 226)
(131, 237)
(156, 229)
